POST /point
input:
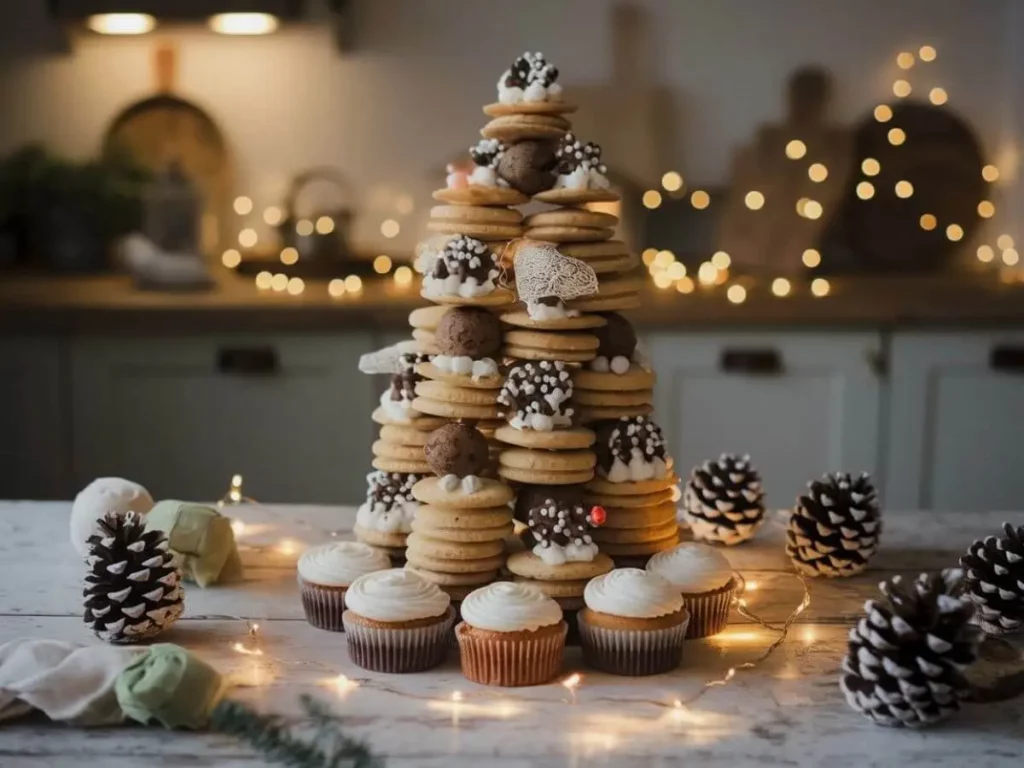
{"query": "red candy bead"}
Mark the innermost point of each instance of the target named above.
(598, 515)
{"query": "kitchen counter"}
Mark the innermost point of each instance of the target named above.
(109, 304)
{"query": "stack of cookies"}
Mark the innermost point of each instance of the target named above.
(616, 382)
(463, 518)
(636, 486)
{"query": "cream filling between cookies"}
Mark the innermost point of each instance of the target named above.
(452, 285)
(638, 468)
(619, 364)
(559, 311)
(469, 484)
(582, 178)
(462, 365)
(534, 92)
(557, 554)
(387, 519)
(484, 176)
(398, 410)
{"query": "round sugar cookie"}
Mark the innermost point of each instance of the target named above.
(441, 565)
(481, 196)
(633, 487)
(599, 303)
(445, 393)
(555, 234)
(483, 232)
(604, 535)
(553, 107)
(640, 548)
(463, 535)
(499, 297)
(388, 539)
(564, 196)
(634, 379)
(529, 566)
(656, 499)
(553, 341)
(512, 129)
(614, 265)
(638, 517)
(599, 250)
(622, 285)
(452, 550)
(422, 422)
(491, 494)
(424, 336)
(610, 399)
(566, 356)
(477, 214)
(554, 461)
(387, 450)
(454, 410)
(404, 436)
(544, 477)
(555, 589)
(571, 217)
(589, 414)
(431, 371)
(522, 319)
(427, 318)
(405, 466)
(555, 440)
(454, 579)
(464, 519)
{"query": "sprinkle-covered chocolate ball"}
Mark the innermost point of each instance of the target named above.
(617, 338)
(457, 449)
(468, 332)
(528, 166)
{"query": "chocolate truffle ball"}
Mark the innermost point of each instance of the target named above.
(528, 166)
(617, 338)
(468, 332)
(456, 449)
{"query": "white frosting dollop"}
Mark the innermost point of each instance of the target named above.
(559, 311)
(485, 176)
(633, 593)
(469, 484)
(556, 554)
(395, 595)
(692, 568)
(533, 92)
(340, 563)
(462, 365)
(638, 468)
(398, 410)
(582, 178)
(396, 518)
(509, 607)
(434, 287)
(539, 422)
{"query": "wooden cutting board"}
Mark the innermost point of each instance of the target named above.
(165, 128)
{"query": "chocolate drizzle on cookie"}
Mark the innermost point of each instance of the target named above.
(572, 154)
(403, 383)
(627, 440)
(537, 395)
(389, 489)
(487, 153)
(559, 523)
(531, 68)
(465, 257)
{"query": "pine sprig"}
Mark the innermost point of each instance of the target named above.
(272, 737)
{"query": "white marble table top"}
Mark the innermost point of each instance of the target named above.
(788, 711)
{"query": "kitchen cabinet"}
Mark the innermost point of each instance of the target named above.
(35, 451)
(182, 415)
(800, 404)
(955, 421)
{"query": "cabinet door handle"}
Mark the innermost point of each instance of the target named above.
(1007, 358)
(760, 362)
(248, 361)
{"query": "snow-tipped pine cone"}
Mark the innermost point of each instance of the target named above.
(994, 576)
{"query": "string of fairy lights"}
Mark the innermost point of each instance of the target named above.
(252, 643)
(668, 272)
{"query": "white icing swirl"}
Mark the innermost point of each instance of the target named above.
(556, 554)
(534, 92)
(692, 568)
(339, 563)
(484, 176)
(582, 178)
(632, 592)
(559, 311)
(393, 518)
(463, 365)
(453, 285)
(395, 595)
(638, 468)
(398, 410)
(509, 607)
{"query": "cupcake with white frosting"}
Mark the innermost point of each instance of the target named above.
(325, 574)
(634, 623)
(397, 622)
(510, 635)
(704, 579)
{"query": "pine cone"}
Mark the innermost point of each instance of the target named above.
(905, 661)
(132, 591)
(723, 501)
(834, 530)
(995, 580)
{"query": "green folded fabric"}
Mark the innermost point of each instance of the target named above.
(170, 685)
(202, 537)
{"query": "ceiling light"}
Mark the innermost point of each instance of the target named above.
(243, 23)
(121, 23)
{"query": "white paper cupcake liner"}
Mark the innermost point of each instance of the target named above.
(709, 612)
(323, 606)
(514, 662)
(632, 652)
(398, 650)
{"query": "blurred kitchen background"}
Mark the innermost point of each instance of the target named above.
(209, 209)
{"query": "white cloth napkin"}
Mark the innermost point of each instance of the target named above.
(67, 681)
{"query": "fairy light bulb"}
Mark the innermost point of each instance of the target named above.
(672, 181)
(865, 190)
(685, 285)
(403, 276)
(754, 200)
(811, 258)
(1005, 241)
(336, 288)
(883, 113)
(901, 89)
(820, 287)
(986, 209)
(928, 222)
(905, 60)
(990, 173)
(904, 189)
(231, 258)
(938, 96)
(737, 294)
(651, 199)
(382, 264)
(896, 136)
(817, 173)
(954, 232)
(781, 288)
(707, 273)
(795, 149)
(985, 253)
(927, 53)
(721, 260)
(700, 199)
(870, 167)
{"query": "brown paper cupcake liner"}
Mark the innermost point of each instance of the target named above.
(399, 650)
(709, 612)
(323, 605)
(632, 652)
(511, 663)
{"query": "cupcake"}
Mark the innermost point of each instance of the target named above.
(707, 583)
(633, 623)
(510, 635)
(397, 622)
(325, 573)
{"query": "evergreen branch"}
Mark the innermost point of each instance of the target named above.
(271, 736)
